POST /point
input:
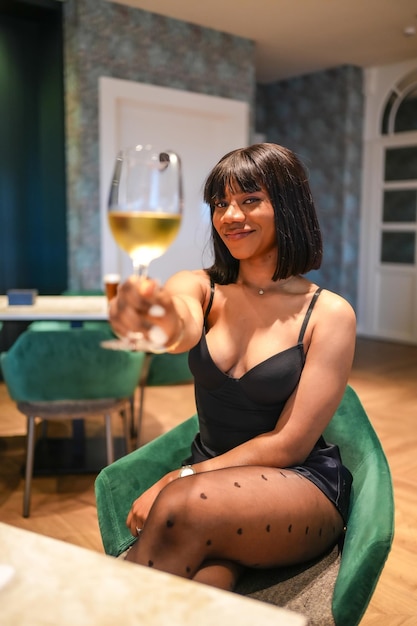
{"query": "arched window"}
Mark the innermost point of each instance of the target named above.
(400, 199)
(400, 111)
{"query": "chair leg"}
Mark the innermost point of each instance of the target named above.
(142, 384)
(126, 430)
(109, 439)
(132, 415)
(30, 454)
(140, 413)
(44, 428)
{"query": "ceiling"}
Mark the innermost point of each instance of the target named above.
(295, 37)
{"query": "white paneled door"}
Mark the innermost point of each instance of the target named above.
(199, 128)
(388, 276)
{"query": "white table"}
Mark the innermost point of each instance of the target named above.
(55, 583)
(73, 308)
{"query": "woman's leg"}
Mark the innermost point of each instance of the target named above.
(217, 573)
(245, 516)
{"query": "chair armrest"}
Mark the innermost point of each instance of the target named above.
(120, 483)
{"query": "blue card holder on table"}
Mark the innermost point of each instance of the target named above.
(21, 296)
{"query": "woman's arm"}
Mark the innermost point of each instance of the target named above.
(175, 310)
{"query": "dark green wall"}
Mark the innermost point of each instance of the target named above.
(33, 238)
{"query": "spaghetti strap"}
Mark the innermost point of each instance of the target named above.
(308, 314)
(206, 314)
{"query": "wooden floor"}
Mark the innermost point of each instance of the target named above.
(385, 378)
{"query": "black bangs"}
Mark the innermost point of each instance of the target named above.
(235, 172)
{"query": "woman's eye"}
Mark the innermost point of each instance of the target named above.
(223, 204)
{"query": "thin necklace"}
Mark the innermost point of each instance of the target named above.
(261, 290)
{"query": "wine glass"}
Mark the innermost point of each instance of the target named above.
(144, 212)
(145, 203)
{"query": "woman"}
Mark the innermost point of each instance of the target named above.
(271, 355)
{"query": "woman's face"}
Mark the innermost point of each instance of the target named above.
(245, 223)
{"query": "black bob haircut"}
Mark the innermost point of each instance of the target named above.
(279, 172)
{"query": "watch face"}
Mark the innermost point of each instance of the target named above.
(186, 471)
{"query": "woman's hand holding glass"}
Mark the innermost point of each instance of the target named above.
(143, 308)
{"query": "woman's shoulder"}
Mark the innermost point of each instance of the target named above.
(192, 277)
(328, 301)
(333, 307)
(334, 300)
(191, 282)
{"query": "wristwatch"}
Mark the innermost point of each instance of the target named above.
(186, 470)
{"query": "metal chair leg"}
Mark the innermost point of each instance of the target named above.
(44, 429)
(30, 454)
(140, 412)
(126, 430)
(142, 384)
(109, 439)
(132, 415)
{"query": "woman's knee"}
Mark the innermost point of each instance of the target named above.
(173, 511)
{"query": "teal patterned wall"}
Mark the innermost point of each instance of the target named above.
(319, 116)
(108, 39)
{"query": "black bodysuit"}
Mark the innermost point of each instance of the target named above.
(234, 410)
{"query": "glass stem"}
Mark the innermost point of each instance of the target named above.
(140, 270)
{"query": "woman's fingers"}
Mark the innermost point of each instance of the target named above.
(141, 305)
(139, 293)
(129, 310)
(133, 522)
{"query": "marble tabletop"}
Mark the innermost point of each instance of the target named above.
(80, 308)
(46, 582)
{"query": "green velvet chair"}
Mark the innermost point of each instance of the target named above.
(67, 375)
(160, 370)
(335, 589)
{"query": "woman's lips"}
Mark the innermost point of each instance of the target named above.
(236, 235)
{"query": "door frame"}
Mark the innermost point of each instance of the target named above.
(378, 83)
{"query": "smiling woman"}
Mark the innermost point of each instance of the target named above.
(272, 180)
(263, 488)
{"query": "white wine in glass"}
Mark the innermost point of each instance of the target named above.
(144, 210)
(144, 236)
(145, 203)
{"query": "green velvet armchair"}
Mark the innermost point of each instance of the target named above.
(67, 375)
(335, 589)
